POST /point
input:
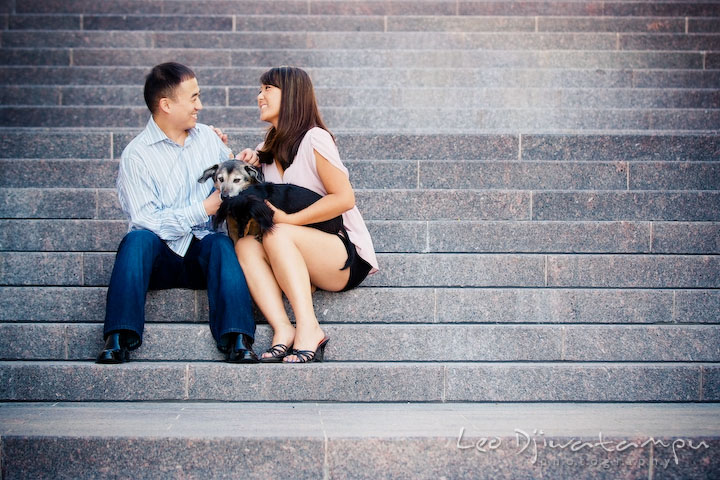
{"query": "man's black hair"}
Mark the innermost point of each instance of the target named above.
(162, 80)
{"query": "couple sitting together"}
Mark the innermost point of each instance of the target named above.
(170, 243)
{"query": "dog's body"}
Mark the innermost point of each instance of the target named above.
(230, 178)
(250, 205)
(244, 192)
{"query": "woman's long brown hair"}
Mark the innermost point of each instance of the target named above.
(298, 114)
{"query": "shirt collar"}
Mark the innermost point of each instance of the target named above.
(154, 134)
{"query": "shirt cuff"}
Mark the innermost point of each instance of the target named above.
(196, 214)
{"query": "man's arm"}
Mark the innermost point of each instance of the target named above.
(139, 199)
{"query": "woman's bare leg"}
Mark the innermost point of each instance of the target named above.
(301, 257)
(264, 289)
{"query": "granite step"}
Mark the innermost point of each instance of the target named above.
(214, 96)
(392, 343)
(393, 40)
(414, 236)
(362, 57)
(356, 23)
(353, 441)
(412, 120)
(426, 270)
(373, 7)
(571, 239)
(395, 305)
(361, 382)
(27, 143)
(423, 205)
(420, 174)
(633, 75)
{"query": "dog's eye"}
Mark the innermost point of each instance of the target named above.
(220, 179)
(237, 180)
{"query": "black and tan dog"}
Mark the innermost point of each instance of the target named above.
(244, 191)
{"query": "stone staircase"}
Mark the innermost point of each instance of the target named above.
(542, 183)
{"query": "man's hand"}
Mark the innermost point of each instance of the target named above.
(223, 137)
(249, 156)
(212, 203)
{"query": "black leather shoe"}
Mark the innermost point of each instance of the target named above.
(241, 351)
(115, 350)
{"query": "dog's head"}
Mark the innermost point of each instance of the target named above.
(232, 177)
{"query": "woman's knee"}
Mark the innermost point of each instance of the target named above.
(278, 236)
(247, 249)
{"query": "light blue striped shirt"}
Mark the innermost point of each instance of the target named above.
(157, 183)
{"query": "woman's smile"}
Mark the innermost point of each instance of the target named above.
(269, 103)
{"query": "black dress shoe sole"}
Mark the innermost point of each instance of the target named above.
(242, 356)
(112, 357)
(243, 360)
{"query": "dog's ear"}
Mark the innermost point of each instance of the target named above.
(255, 173)
(210, 172)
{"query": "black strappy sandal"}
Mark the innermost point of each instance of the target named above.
(306, 356)
(277, 353)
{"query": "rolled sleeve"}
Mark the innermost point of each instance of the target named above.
(195, 214)
(138, 198)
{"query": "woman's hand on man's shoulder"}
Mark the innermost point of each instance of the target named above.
(249, 156)
(222, 136)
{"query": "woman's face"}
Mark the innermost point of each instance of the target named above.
(269, 104)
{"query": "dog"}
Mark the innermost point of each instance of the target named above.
(243, 191)
(230, 178)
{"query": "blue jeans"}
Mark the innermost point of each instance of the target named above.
(144, 262)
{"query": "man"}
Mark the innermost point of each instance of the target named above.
(169, 244)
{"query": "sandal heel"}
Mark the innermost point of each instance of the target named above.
(306, 356)
(320, 352)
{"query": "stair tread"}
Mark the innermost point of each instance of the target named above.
(222, 420)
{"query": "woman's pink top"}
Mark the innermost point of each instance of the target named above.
(303, 172)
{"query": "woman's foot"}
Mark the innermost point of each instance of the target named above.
(282, 336)
(306, 342)
(276, 353)
(305, 356)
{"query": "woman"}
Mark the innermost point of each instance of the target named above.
(299, 149)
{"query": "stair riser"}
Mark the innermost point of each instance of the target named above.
(399, 98)
(396, 305)
(394, 77)
(150, 459)
(414, 205)
(436, 270)
(316, 23)
(399, 174)
(440, 7)
(429, 120)
(352, 458)
(422, 343)
(542, 147)
(337, 382)
(442, 57)
(417, 237)
(396, 40)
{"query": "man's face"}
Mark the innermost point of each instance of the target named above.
(185, 104)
